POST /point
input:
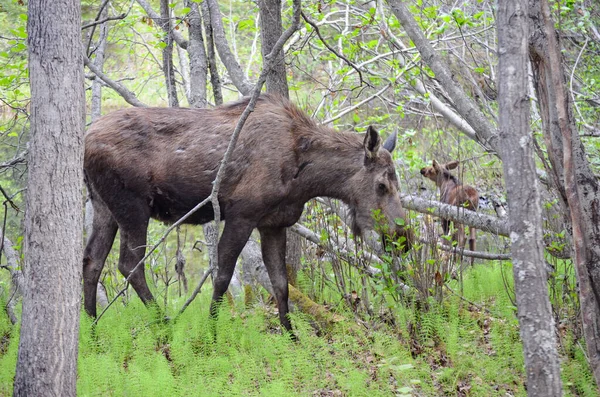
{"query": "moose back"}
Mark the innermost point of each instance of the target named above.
(143, 163)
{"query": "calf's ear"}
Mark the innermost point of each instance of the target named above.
(452, 165)
(372, 143)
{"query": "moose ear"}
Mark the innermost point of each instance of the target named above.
(390, 142)
(452, 165)
(372, 142)
(436, 165)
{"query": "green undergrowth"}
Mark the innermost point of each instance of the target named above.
(461, 347)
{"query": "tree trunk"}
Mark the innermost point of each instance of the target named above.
(197, 54)
(270, 31)
(578, 183)
(215, 82)
(98, 61)
(47, 357)
(227, 57)
(516, 150)
(167, 54)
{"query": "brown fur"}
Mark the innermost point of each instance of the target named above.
(453, 192)
(161, 162)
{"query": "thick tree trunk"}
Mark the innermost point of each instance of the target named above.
(516, 150)
(577, 183)
(47, 357)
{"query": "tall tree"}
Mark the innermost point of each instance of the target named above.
(47, 357)
(573, 175)
(515, 147)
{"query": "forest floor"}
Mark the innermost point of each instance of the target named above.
(462, 347)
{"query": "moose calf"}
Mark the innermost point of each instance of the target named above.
(453, 192)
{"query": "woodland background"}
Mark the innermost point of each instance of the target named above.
(367, 322)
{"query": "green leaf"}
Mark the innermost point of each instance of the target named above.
(246, 24)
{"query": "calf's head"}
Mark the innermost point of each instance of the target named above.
(439, 173)
(376, 205)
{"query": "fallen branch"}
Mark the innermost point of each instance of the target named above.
(471, 254)
(461, 215)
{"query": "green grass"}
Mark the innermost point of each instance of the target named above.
(454, 348)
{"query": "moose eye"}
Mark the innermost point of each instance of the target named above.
(381, 188)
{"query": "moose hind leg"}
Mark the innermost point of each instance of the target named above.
(273, 243)
(133, 249)
(104, 229)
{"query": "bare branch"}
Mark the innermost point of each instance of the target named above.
(119, 88)
(337, 54)
(100, 22)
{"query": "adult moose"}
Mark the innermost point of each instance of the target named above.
(453, 192)
(143, 163)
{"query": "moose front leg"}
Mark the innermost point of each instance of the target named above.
(273, 244)
(234, 238)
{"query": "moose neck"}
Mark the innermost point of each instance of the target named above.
(329, 168)
(446, 186)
